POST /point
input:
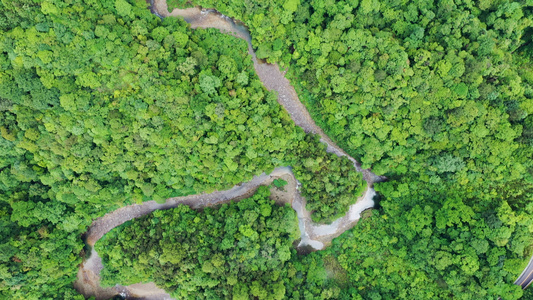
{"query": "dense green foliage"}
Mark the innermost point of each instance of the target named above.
(433, 253)
(103, 104)
(437, 96)
(438, 244)
(172, 4)
(328, 183)
(407, 86)
(528, 294)
(159, 111)
(237, 249)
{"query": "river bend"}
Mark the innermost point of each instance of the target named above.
(314, 235)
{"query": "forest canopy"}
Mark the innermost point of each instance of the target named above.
(104, 104)
(244, 251)
(240, 249)
(437, 96)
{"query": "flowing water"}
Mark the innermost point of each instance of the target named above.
(314, 235)
(269, 74)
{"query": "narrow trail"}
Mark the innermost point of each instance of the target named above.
(314, 235)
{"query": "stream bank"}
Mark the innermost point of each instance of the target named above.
(315, 235)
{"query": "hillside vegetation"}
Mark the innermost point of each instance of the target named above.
(437, 96)
(104, 105)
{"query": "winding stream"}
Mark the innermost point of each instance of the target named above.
(314, 235)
